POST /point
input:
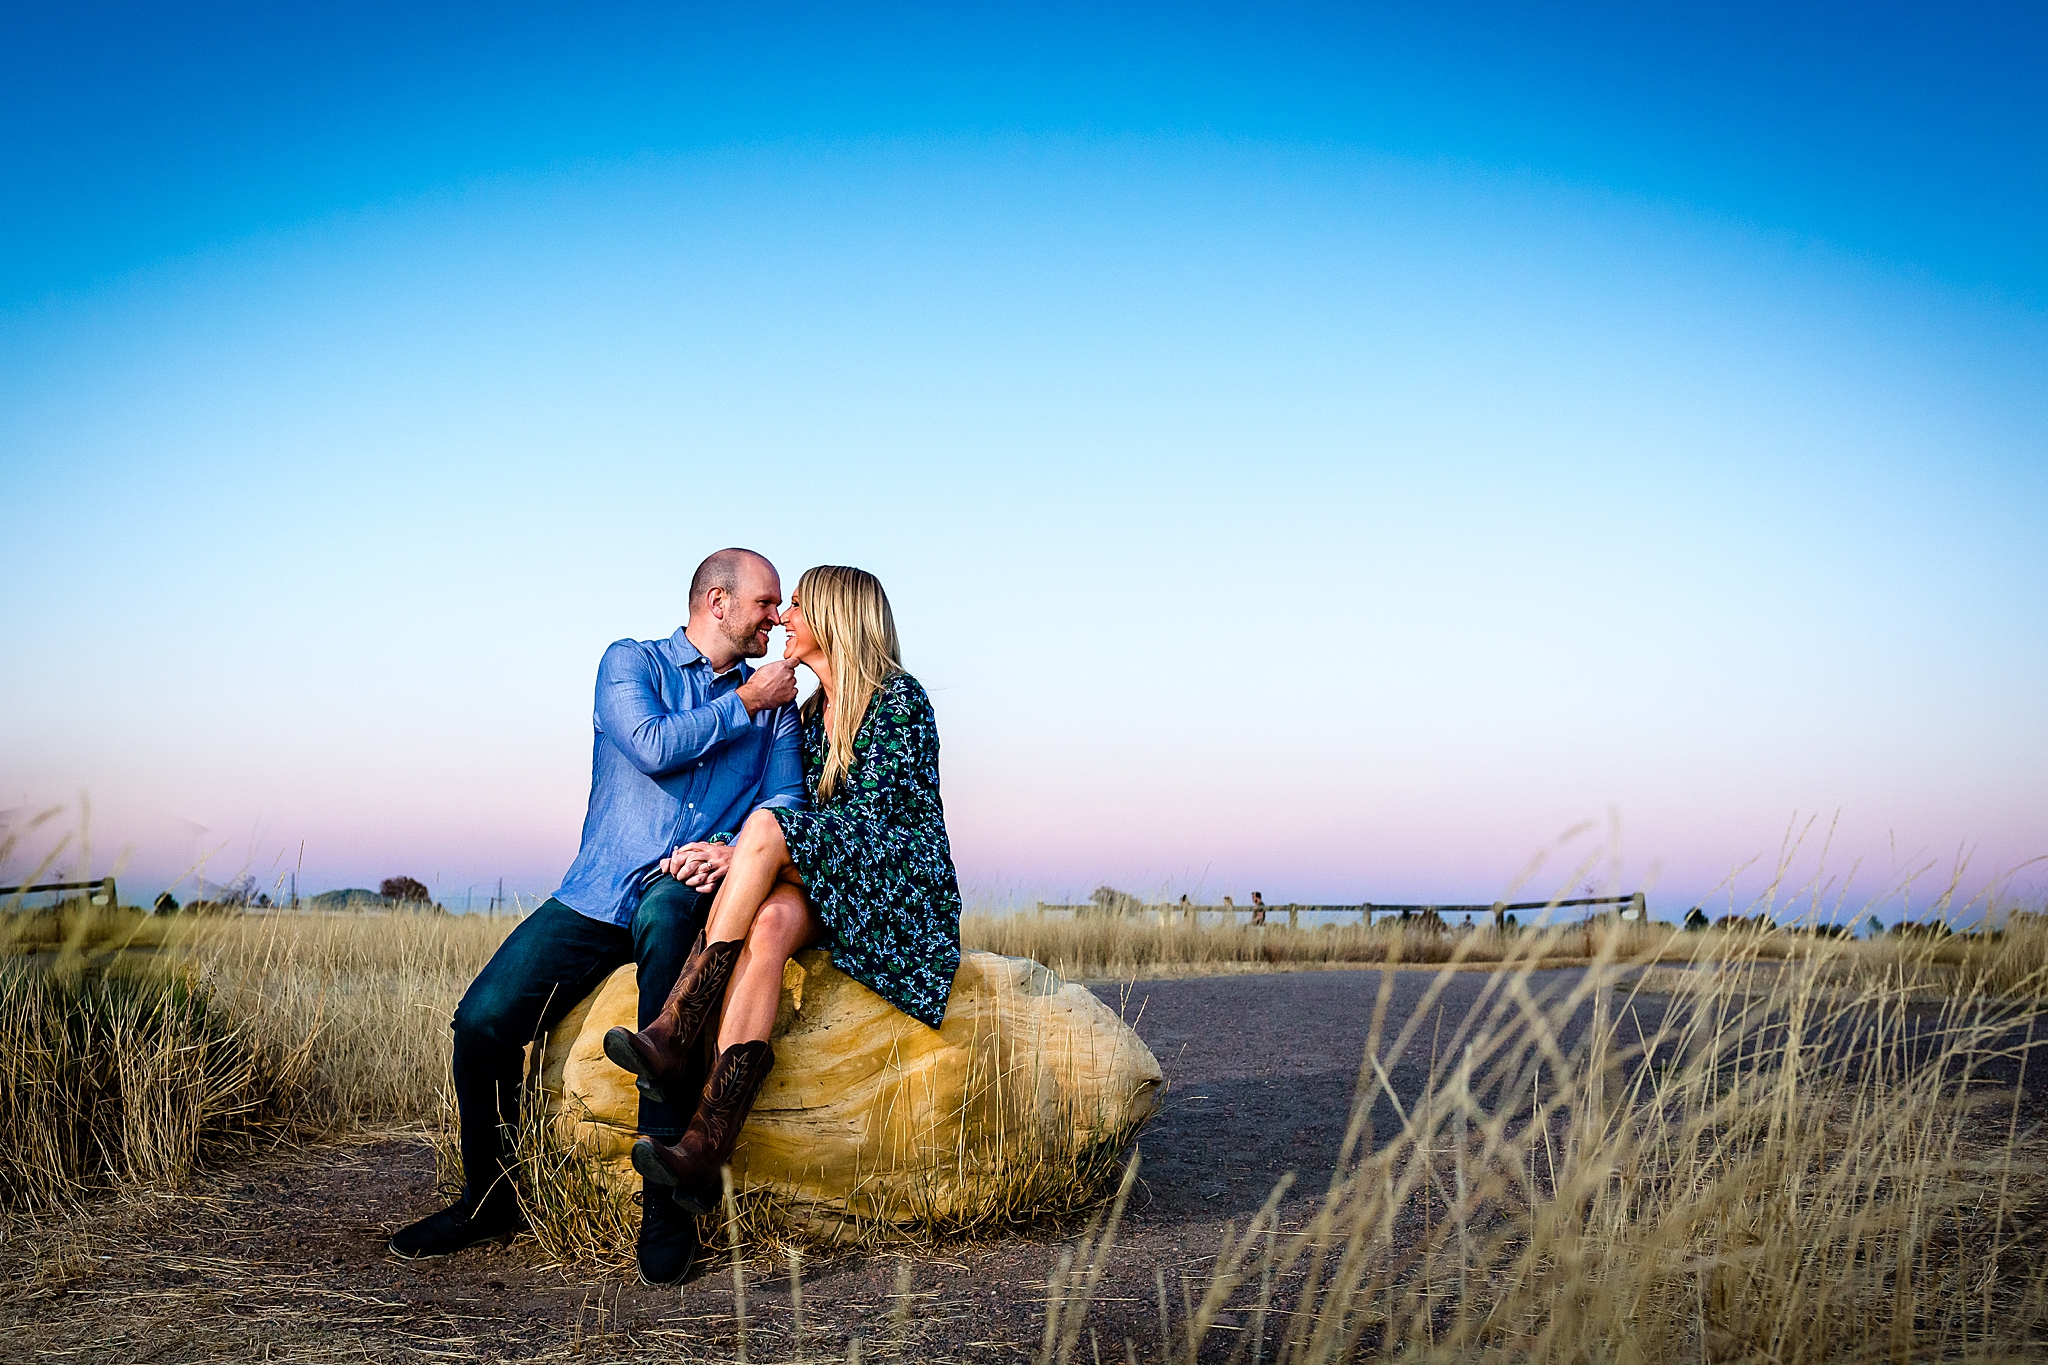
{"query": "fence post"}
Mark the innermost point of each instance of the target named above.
(108, 896)
(1294, 917)
(1366, 909)
(1500, 917)
(1640, 904)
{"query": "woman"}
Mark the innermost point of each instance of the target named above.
(867, 873)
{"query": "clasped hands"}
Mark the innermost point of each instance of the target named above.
(698, 866)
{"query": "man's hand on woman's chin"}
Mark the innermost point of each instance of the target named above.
(773, 685)
(698, 866)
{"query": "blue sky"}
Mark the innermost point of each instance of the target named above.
(1330, 451)
(1909, 134)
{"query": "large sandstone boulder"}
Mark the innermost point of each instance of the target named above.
(870, 1117)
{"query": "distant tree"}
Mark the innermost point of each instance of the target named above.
(404, 889)
(1696, 919)
(1110, 901)
(1931, 929)
(167, 904)
(240, 891)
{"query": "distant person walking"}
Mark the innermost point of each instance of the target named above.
(688, 743)
(1258, 908)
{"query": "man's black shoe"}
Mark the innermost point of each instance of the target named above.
(457, 1226)
(668, 1249)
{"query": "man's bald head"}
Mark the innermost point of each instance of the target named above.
(735, 601)
(724, 569)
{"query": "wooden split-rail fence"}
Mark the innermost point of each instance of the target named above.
(103, 890)
(1632, 907)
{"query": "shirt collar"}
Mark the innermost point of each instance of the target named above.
(688, 655)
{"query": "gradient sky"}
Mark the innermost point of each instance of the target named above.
(1325, 450)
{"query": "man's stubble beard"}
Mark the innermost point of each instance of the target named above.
(750, 645)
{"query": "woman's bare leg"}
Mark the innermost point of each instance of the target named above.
(776, 925)
(782, 927)
(760, 858)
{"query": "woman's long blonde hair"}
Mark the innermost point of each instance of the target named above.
(849, 614)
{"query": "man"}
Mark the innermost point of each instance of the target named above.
(689, 742)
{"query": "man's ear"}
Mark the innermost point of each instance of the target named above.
(714, 602)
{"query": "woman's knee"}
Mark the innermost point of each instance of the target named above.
(762, 833)
(782, 925)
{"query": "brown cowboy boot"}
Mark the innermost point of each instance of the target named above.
(658, 1054)
(693, 1164)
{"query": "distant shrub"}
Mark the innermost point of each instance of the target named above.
(350, 898)
(404, 889)
(1107, 900)
(1931, 929)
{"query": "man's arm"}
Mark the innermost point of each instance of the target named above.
(782, 781)
(653, 738)
(701, 866)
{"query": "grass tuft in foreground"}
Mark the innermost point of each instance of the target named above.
(1765, 1165)
(133, 1047)
(127, 1077)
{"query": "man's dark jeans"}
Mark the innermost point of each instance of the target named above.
(549, 963)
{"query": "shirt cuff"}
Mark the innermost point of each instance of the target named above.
(724, 836)
(736, 710)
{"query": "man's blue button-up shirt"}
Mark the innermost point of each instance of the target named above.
(676, 759)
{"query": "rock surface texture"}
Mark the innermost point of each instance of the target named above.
(870, 1117)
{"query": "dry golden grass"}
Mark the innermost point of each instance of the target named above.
(1781, 1166)
(1785, 1159)
(1802, 1159)
(1121, 948)
(2013, 961)
(377, 991)
(126, 1077)
(131, 1044)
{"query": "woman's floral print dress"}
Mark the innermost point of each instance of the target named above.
(875, 859)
